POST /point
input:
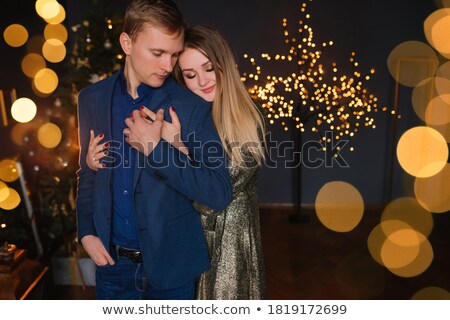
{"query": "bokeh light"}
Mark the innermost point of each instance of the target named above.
(423, 259)
(54, 50)
(443, 87)
(23, 110)
(401, 249)
(339, 206)
(4, 191)
(9, 170)
(32, 63)
(380, 233)
(56, 31)
(15, 35)
(44, 8)
(308, 91)
(49, 135)
(21, 132)
(408, 210)
(436, 28)
(444, 130)
(422, 151)
(431, 293)
(60, 17)
(433, 193)
(438, 110)
(422, 93)
(412, 62)
(46, 81)
(12, 201)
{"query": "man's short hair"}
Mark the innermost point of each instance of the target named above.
(163, 14)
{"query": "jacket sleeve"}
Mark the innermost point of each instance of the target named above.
(203, 176)
(85, 175)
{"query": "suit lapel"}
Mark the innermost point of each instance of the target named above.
(103, 105)
(160, 99)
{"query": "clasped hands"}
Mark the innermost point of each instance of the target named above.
(144, 131)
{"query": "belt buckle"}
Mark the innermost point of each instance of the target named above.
(134, 256)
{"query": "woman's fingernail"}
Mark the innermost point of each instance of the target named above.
(106, 153)
(100, 135)
(131, 115)
(172, 108)
(141, 107)
(103, 165)
(106, 145)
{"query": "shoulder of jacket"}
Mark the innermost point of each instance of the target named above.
(99, 86)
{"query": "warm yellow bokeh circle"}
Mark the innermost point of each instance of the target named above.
(422, 151)
(12, 201)
(15, 35)
(46, 81)
(433, 193)
(4, 191)
(49, 135)
(412, 62)
(9, 170)
(339, 206)
(23, 110)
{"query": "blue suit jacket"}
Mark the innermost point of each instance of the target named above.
(165, 183)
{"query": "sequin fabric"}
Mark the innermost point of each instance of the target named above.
(234, 243)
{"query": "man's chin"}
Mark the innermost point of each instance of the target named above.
(156, 83)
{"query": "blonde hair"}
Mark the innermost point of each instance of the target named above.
(239, 122)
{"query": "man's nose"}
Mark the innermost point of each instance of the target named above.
(167, 64)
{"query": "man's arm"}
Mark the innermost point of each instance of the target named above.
(85, 176)
(202, 176)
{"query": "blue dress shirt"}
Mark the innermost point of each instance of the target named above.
(124, 232)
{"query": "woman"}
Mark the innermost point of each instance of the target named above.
(208, 68)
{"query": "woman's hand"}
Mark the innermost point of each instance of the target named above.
(171, 131)
(96, 151)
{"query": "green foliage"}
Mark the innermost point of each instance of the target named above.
(95, 52)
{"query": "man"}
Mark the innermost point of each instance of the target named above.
(135, 217)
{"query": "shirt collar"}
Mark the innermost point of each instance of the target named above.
(143, 90)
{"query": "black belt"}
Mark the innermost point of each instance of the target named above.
(133, 255)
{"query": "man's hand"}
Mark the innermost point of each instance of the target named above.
(171, 131)
(143, 134)
(96, 250)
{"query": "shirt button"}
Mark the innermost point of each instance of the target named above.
(125, 192)
(126, 161)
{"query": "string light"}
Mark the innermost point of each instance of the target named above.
(337, 101)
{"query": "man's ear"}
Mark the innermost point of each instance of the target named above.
(125, 42)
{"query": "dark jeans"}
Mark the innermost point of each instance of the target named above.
(126, 280)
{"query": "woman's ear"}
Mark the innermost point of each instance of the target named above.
(125, 42)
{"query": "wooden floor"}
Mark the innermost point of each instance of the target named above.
(308, 261)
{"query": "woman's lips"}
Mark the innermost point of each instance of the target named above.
(209, 90)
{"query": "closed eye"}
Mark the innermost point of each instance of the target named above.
(190, 76)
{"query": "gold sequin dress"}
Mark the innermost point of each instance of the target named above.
(234, 243)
